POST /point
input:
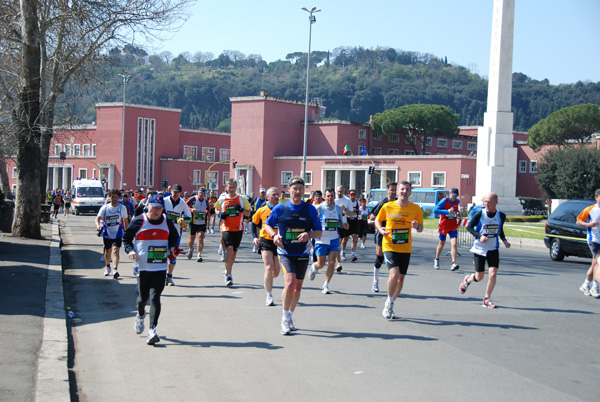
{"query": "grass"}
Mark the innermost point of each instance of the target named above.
(525, 230)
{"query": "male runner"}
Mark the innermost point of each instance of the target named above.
(114, 222)
(233, 208)
(296, 222)
(486, 227)
(346, 207)
(328, 245)
(352, 217)
(268, 250)
(179, 213)
(260, 201)
(590, 219)
(363, 222)
(400, 218)
(377, 239)
(200, 215)
(449, 214)
(212, 200)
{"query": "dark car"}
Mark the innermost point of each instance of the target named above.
(564, 237)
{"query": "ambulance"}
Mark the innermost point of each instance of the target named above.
(88, 196)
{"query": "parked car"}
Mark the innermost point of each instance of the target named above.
(564, 237)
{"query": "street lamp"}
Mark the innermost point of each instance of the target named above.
(311, 20)
(125, 79)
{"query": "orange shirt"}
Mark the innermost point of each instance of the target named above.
(261, 215)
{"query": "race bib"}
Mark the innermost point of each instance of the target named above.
(400, 236)
(113, 220)
(451, 215)
(490, 231)
(157, 255)
(331, 224)
(199, 217)
(173, 216)
(291, 235)
(231, 211)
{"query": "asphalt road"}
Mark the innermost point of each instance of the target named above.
(224, 344)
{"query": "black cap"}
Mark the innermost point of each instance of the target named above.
(177, 187)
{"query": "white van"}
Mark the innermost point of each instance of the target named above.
(88, 196)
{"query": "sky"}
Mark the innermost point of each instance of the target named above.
(558, 40)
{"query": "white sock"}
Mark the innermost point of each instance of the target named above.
(375, 274)
(586, 282)
(595, 284)
(269, 294)
(390, 299)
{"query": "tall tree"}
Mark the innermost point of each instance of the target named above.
(574, 124)
(416, 122)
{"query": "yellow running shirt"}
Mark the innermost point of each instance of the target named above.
(398, 220)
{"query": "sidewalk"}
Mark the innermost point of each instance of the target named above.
(33, 317)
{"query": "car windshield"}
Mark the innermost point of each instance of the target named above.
(570, 210)
(90, 192)
(377, 196)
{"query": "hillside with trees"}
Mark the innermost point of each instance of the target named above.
(353, 83)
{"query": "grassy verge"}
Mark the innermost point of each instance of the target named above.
(526, 230)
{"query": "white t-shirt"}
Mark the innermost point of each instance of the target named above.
(344, 201)
(113, 218)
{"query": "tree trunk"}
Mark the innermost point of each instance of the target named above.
(4, 183)
(27, 216)
(46, 137)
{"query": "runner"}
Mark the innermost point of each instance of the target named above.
(67, 200)
(486, 227)
(233, 208)
(268, 250)
(154, 237)
(449, 214)
(353, 224)
(377, 239)
(179, 213)
(260, 201)
(590, 219)
(114, 222)
(296, 222)
(363, 222)
(346, 208)
(399, 218)
(200, 215)
(212, 200)
(328, 245)
(56, 203)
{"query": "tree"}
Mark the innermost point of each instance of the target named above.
(72, 39)
(572, 172)
(416, 122)
(566, 126)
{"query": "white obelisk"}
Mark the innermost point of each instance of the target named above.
(496, 156)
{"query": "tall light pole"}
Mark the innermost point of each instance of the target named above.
(125, 79)
(311, 20)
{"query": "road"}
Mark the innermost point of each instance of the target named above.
(224, 344)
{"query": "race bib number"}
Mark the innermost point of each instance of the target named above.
(331, 224)
(173, 216)
(400, 236)
(113, 220)
(451, 215)
(199, 217)
(291, 235)
(490, 231)
(157, 255)
(231, 212)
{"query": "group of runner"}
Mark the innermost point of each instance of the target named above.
(60, 199)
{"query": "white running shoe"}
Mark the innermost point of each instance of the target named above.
(594, 292)
(285, 326)
(363, 245)
(343, 256)
(585, 289)
(269, 301)
(222, 258)
(255, 249)
(228, 280)
(313, 272)
(292, 326)
(169, 281)
(107, 271)
(152, 336)
(325, 289)
(388, 310)
(212, 231)
(139, 323)
(375, 287)
(190, 253)
(454, 266)
(436, 264)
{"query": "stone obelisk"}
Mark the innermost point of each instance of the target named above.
(496, 156)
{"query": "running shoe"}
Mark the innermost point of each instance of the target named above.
(375, 287)
(223, 256)
(107, 271)
(464, 285)
(190, 253)
(325, 289)
(363, 245)
(488, 303)
(228, 279)
(343, 256)
(388, 310)
(199, 259)
(102, 258)
(270, 301)
(169, 281)
(152, 337)
(454, 266)
(338, 267)
(116, 274)
(212, 231)
(585, 289)
(436, 264)
(136, 269)
(285, 326)
(139, 323)
(313, 272)
(292, 326)
(255, 249)
(354, 258)
(594, 292)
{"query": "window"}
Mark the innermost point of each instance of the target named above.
(428, 141)
(86, 150)
(376, 150)
(68, 150)
(427, 153)
(532, 166)
(197, 179)
(457, 144)
(145, 151)
(377, 136)
(76, 149)
(208, 154)
(407, 152)
(82, 174)
(442, 143)
(57, 149)
(285, 176)
(190, 153)
(212, 182)
(415, 178)
(308, 180)
(393, 151)
(14, 172)
(394, 137)
(362, 134)
(522, 166)
(438, 179)
(94, 174)
(93, 149)
(224, 154)
(471, 146)
(225, 177)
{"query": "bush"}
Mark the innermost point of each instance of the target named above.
(426, 212)
(531, 218)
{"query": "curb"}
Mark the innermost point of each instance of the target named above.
(52, 380)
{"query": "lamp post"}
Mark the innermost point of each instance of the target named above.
(125, 79)
(311, 20)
